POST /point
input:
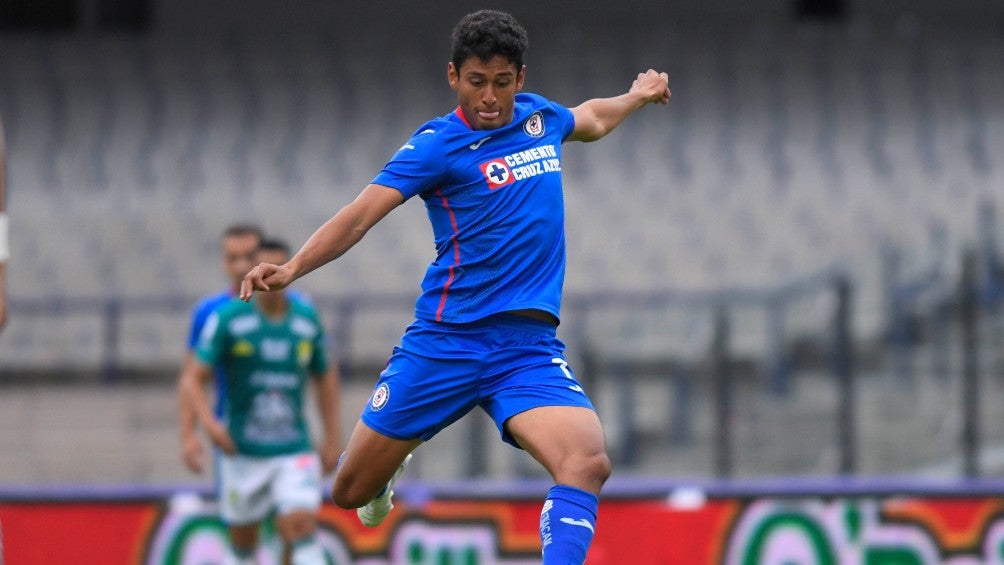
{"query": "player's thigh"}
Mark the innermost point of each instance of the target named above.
(418, 395)
(296, 485)
(567, 440)
(244, 495)
(369, 461)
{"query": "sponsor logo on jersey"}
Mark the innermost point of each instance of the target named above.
(244, 324)
(275, 349)
(242, 348)
(303, 327)
(521, 165)
(497, 173)
(534, 125)
(380, 397)
(304, 351)
(273, 379)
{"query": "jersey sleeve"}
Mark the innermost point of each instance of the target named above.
(199, 316)
(319, 360)
(419, 164)
(566, 120)
(212, 341)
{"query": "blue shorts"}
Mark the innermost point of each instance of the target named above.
(506, 364)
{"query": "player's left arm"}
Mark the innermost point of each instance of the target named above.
(4, 243)
(597, 117)
(327, 390)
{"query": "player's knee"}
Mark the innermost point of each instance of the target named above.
(597, 468)
(297, 526)
(347, 495)
(589, 471)
(344, 499)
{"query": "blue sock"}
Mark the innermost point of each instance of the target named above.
(567, 523)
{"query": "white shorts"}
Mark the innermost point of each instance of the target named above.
(251, 487)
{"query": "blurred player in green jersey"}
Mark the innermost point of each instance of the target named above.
(267, 349)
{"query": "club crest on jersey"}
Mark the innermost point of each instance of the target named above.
(534, 125)
(497, 173)
(380, 397)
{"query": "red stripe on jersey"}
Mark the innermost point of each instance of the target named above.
(456, 254)
(463, 118)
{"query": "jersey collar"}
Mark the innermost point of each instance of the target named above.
(463, 118)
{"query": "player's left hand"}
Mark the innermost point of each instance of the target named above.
(653, 87)
(265, 277)
(329, 451)
(221, 437)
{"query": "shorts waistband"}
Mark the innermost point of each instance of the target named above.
(501, 319)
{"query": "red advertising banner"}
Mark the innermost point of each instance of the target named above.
(850, 530)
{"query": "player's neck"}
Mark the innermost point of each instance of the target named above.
(273, 307)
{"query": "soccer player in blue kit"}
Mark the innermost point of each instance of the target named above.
(484, 335)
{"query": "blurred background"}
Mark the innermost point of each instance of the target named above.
(793, 270)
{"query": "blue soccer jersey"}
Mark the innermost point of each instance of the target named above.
(495, 202)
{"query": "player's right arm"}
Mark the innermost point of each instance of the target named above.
(191, 448)
(330, 241)
(213, 342)
(193, 386)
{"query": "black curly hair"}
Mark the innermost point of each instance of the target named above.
(275, 244)
(487, 33)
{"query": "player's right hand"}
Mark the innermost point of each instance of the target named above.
(265, 277)
(221, 437)
(192, 453)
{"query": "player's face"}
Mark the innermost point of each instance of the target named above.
(272, 256)
(239, 255)
(486, 89)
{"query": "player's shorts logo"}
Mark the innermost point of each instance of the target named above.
(380, 397)
(497, 173)
(534, 125)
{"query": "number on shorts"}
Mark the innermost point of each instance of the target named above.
(563, 365)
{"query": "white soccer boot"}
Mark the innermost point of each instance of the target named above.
(376, 510)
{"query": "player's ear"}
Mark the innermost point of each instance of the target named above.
(452, 75)
(520, 76)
